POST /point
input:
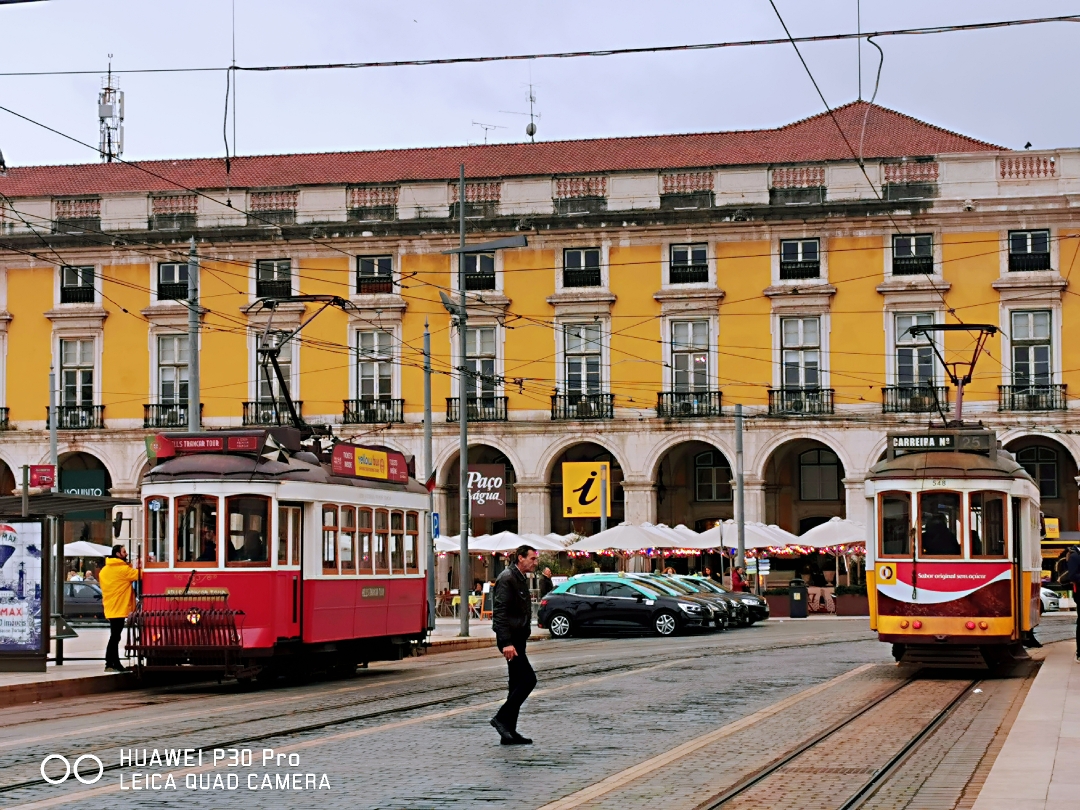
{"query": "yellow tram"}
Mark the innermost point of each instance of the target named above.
(953, 559)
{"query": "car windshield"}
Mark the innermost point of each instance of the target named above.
(659, 587)
(709, 586)
(678, 587)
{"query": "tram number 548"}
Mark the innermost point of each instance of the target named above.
(938, 482)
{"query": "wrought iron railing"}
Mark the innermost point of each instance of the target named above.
(78, 417)
(478, 409)
(77, 295)
(800, 401)
(914, 398)
(581, 277)
(167, 414)
(4, 423)
(1032, 397)
(912, 265)
(797, 270)
(582, 406)
(687, 404)
(1029, 261)
(689, 273)
(172, 291)
(278, 288)
(275, 414)
(373, 411)
(368, 285)
(479, 281)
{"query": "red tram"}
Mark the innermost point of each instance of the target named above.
(260, 554)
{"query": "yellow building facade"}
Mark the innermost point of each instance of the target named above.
(665, 281)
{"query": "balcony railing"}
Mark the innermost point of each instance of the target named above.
(587, 277)
(1031, 397)
(373, 411)
(172, 291)
(479, 281)
(1029, 261)
(687, 404)
(166, 414)
(689, 273)
(800, 401)
(78, 417)
(269, 413)
(912, 265)
(914, 398)
(796, 270)
(478, 409)
(4, 423)
(369, 285)
(276, 288)
(582, 406)
(77, 295)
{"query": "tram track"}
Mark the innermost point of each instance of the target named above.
(557, 675)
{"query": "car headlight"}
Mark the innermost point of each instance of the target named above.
(751, 602)
(689, 608)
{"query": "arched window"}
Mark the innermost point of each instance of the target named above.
(1041, 464)
(712, 477)
(819, 476)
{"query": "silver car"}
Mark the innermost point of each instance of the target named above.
(1051, 601)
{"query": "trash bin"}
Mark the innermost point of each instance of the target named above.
(797, 599)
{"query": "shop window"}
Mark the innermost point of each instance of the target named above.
(412, 543)
(1041, 464)
(819, 476)
(196, 530)
(712, 477)
(158, 547)
(363, 541)
(397, 542)
(986, 524)
(329, 539)
(939, 524)
(289, 523)
(347, 540)
(381, 549)
(896, 523)
(249, 526)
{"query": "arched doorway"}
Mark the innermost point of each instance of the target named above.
(693, 486)
(585, 451)
(8, 484)
(1052, 466)
(803, 485)
(85, 474)
(487, 463)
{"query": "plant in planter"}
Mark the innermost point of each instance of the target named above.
(777, 599)
(852, 600)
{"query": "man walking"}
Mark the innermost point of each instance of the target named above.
(546, 585)
(118, 600)
(512, 623)
(1071, 576)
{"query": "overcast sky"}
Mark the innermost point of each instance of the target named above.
(1006, 86)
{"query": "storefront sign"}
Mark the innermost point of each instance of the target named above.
(1052, 527)
(487, 490)
(581, 488)
(355, 461)
(85, 482)
(20, 589)
(42, 475)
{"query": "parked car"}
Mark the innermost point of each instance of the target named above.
(613, 602)
(1050, 600)
(735, 612)
(82, 600)
(757, 607)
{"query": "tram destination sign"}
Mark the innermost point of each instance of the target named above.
(356, 461)
(951, 441)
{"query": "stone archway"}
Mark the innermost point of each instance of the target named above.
(585, 451)
(693, 486)
(1054, 469)
(83, 473)
(803, 485)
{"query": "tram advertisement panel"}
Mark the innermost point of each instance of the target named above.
(20, 588)
(960, 588)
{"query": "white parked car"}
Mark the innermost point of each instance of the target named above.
(1050, 600)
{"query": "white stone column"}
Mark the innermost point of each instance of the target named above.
(754, 499)
(640, 504)
(533, 508)
(440, 501)
(855, 505)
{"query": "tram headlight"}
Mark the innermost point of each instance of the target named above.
(194, 616)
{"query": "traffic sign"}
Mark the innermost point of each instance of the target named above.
(581, 488)
(435, 525)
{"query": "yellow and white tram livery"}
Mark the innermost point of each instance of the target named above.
(953, 557)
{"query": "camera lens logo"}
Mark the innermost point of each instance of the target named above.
(72, 769)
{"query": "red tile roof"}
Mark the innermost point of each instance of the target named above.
(888, 134)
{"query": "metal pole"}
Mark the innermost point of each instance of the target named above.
(740, 511)
(194, 416)
(428, 464)
(25, 491)
(463, 420)
(603, 496)
(53, 455)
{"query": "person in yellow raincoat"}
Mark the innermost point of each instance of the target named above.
(118, 600)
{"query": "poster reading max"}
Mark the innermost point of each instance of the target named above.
(20, 587)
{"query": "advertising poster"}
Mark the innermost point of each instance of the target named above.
(20, 587)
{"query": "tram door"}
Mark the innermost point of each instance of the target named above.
(290, 553)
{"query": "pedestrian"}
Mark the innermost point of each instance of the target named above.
(1071, 576)
(118, 600)
(512, 623)
(738, 583)
(91, 574)
(545, 583)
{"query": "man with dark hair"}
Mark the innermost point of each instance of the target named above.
(1071, 576)
(118, 600)
(512, 623)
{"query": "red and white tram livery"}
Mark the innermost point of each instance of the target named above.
(260, 555)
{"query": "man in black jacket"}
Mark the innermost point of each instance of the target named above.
(512, 623)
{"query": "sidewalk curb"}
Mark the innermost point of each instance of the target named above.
(455, 644)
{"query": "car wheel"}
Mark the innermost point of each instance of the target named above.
(559, 625)
(665, 623)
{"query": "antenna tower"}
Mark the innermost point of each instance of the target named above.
(110, 118)
(530, 128)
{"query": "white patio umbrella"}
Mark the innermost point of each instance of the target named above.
(447, 545)
(725, 534)
(625, 537)
(544, 542)
(500, 543)
(688, 534)
(84, 548)
(834, 533)
(783, 536)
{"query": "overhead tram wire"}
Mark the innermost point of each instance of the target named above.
(704, 46)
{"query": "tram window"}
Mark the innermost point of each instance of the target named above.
(412, 534)
(289, 519)
(896, 523)
(346, 540)
(939, 524)
(363, 540)
(249, 526)
(986, 524)
(381, 542)
(397, 542)
(329, 539)
(196, 530)
(158, 547)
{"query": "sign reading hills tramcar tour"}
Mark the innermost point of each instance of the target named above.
(355, 461)
(487, 490)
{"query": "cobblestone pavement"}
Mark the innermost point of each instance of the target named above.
(414, 734)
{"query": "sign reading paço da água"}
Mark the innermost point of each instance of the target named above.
(487, 490)
(581, 488)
